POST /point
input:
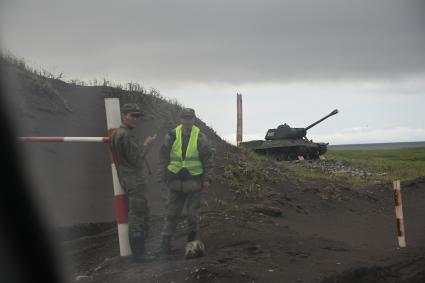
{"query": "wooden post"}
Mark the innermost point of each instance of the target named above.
(399, 214)
(239, 119)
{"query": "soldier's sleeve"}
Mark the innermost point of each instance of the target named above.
(206, 154)
(133, 151)
(164, 158)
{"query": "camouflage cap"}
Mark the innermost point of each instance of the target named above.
(187, 113)
(132, 108)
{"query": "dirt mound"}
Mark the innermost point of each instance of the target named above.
(415, 184)
(411, 271)
(74, 179)
(259, 223)
(82, 230)
(352, 240)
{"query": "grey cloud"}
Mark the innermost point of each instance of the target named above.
(224, 41)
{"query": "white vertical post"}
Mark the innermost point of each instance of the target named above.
(239, 122)
(399, 214)
(113, 121)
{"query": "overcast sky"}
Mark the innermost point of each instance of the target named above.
(293, 61)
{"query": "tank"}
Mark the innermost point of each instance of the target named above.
(287, 143)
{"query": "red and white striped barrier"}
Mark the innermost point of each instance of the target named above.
(113, 121)
(65, 139)
(399, 214)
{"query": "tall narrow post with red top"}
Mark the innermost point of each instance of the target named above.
(113, 121)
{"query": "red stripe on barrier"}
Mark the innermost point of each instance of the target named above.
(121, 209)
(105, 140)
(397, 198)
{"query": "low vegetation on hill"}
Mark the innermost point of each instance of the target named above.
(404, 164)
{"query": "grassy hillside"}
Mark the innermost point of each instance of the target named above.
(73, 180)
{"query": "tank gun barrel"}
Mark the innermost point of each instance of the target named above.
(324, 118)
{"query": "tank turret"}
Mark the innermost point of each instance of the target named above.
(286, 132)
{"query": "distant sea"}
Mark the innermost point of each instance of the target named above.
(373, 146)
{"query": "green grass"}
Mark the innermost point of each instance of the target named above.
(250, 175)
(401, 164)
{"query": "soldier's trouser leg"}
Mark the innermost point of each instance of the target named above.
(193, 205)
(138, 217)
(138, 211)
(174, 207)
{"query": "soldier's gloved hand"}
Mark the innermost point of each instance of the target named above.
(149, 140)
(205, 184)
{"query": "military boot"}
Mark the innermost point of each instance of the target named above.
(137, 244)
(166, 245)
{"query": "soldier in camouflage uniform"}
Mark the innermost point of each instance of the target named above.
(185, 170)
(129, 156)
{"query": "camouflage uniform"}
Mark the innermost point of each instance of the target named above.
(129, 155)
(183, 187)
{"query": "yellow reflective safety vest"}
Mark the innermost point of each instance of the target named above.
(191, 162)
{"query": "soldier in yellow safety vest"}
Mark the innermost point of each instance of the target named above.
(185, 170)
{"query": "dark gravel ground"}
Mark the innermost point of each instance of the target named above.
(277, 239)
